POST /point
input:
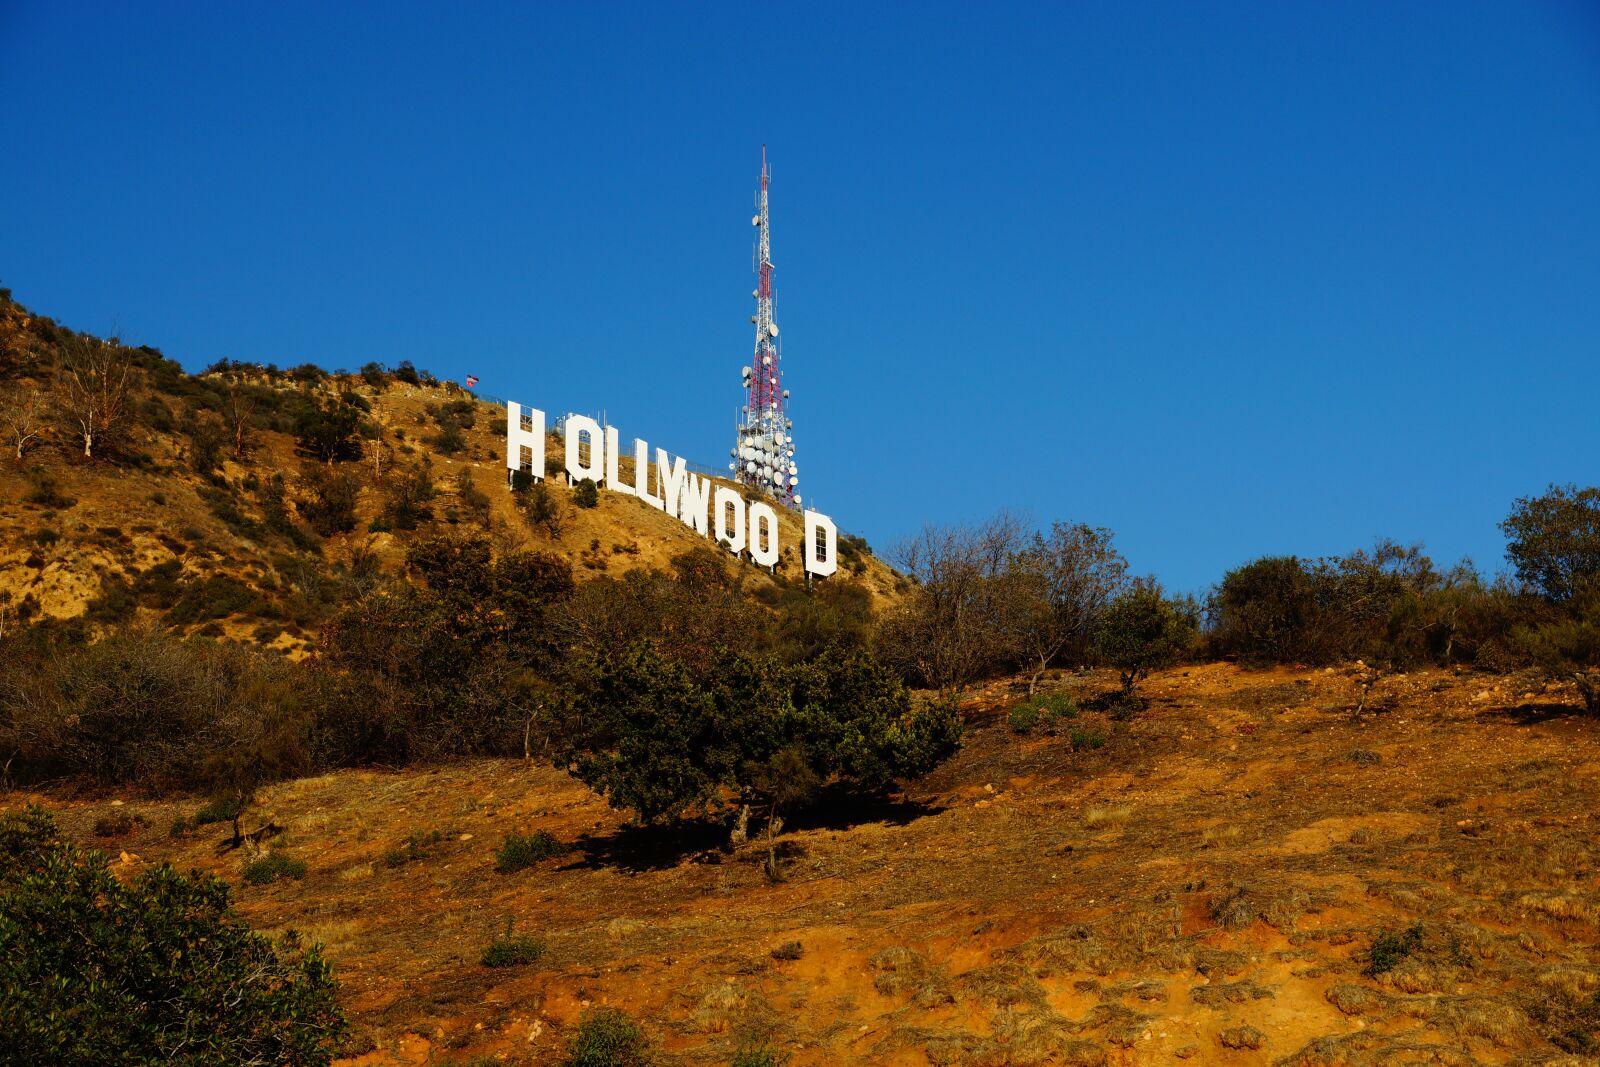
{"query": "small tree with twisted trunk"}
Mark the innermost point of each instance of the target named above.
(1143, 631)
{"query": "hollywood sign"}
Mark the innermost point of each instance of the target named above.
(745, 528)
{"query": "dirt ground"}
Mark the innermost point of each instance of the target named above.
(1208, 886)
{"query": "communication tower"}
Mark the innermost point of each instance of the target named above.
(763, 457)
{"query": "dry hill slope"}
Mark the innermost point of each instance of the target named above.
(1246, 873)
(141, 534)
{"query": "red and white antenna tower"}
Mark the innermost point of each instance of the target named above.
(763, 457)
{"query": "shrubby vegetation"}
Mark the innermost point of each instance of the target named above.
(663, 737)
(1142, 630)
(607, 1037)
(1393, 607)
(159, 969)
(487, 647)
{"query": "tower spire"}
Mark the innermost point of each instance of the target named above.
(763, 456)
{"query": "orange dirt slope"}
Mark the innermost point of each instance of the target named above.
(1206, 887)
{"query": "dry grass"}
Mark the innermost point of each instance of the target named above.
(1483, 1017)
(720, 1008)
(1107, 815)
(1245, 1037)
(1357, 1000)
(1221, 836)
(1225, 993)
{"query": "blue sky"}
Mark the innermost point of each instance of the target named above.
(1228, 279)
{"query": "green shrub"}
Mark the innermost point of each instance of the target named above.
(151, 710)
(1041, 711)
(666, 738)
(606, 1037)
(118, 824)
(332, 507)
(1389, 948)
(406, 495)
(215, 596)
(542, 508)
(1057, 706)
(327, 431)
(1142, 631)
(45, 492)
(1023, 718)
(273, 866)
(1553, 540)
(1082, 739)
(159, 970)
(758, 1052)
(416, 847)
(586, 494)
(519, 852)
(449, 441)
(218, 809)
(512, 950)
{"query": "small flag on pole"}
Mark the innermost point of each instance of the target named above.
(472, 380)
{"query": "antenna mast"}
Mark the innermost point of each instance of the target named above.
(763, 457)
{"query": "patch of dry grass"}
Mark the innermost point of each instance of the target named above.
(1353, 999)
(1107, 815)
(1221, 836)
(1242, 1037)
(1277, 904)
(1483, 1017)
(1222, 994)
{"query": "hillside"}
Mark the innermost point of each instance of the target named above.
(153, 532)
(1247, 873)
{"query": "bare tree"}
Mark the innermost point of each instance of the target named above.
(377, 450)
(238, 409)
(959, 623)
(24, 420)
(93, 388)
(1063, 580)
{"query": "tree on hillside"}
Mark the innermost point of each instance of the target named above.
(93, 382)
(443, 664)
(331, 508)
(1262, 610)
(1553, 540)
(689, 614)
(1063, 582)
(1142, 630)
(152, 969)
(327, 431)
(1388, 604)
(1568, 647)
(959, 622)
(207, 434)
(239, 411)
(656, 739)
(24, 419)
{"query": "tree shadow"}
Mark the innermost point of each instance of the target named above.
(838, 806)
(648, 848)
(841, 805)
(1535, 712)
